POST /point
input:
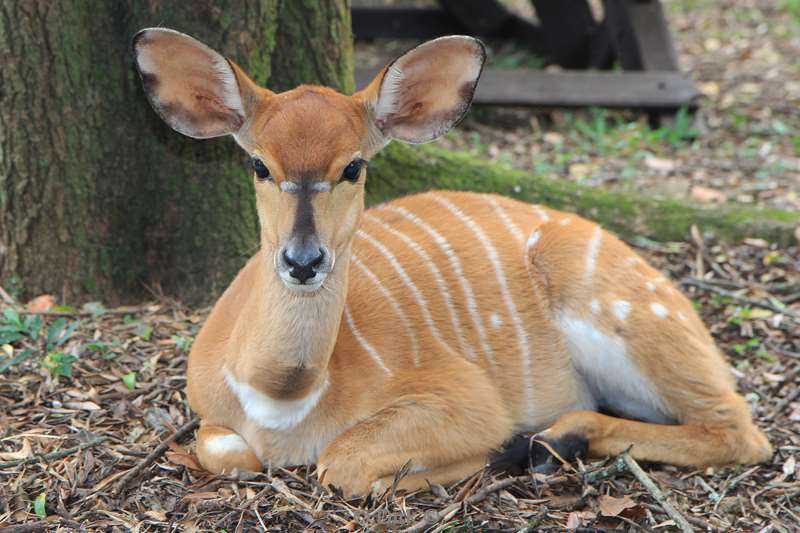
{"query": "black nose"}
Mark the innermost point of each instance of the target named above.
(302, 261)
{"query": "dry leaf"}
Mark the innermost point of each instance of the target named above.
(580, 170)
(704, 194)
(82, 406)
(574, 520)
(185, 459)
(611, 506)
(789, 466)
(23, 452)
(42, 303)
(659, 164)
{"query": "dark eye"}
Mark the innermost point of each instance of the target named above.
(262, 172)
(352, 171)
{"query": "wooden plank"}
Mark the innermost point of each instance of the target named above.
(652, 34)
(536, 88)
(480, 17)
(403, 23)
(567, 27)
(617, 24)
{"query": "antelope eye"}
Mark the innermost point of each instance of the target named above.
(262, 172)
(352, 171)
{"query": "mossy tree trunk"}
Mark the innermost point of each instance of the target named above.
(98, 198)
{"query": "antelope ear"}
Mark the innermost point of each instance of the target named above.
(425, 92)
(192, 87)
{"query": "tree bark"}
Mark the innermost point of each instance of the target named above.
(402, 169)
(98, 198)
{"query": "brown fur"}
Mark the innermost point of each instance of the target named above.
(434, 374)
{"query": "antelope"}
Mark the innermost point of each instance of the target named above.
(423, 334)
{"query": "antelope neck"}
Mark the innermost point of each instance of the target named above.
(289, 338)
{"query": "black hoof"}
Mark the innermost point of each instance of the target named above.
(523, 452)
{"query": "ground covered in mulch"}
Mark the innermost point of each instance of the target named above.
(111, 382)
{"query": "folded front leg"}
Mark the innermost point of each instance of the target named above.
(440, 428)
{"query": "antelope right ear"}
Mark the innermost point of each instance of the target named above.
(426, 91)
(193, 88)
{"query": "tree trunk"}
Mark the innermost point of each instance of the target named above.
(98, 198)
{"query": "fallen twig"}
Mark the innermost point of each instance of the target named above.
(47, 457)
(655, 492)
(702, 285)
(434, 518)
(7, 298)
(188, 427)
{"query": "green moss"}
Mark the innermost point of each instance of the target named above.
(404, 169)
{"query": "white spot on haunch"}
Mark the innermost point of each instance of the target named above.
(681, 316)
(611, 377)
(633, 261)
(222, 444)
(621, 309)
(594, 305)
(496, 321)
(348, 317)
(650, 286)
(268, 412)
(659, 310)
(565, 221)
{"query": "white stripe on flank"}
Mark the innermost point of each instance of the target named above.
(394, 303)
(591, 253)
(541, 213)
(423, 303)
(491, 252)
(532, 240)
(455, 263)
(515, 231)
(440, 281)
(363, 342)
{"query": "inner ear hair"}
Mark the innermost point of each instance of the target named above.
(192, 87)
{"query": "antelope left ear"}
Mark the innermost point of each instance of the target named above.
(427, 91)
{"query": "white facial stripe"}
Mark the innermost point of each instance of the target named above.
(289, 186)
(541, 213)
(321, 186)
(592, 250)
(621, 309)
(455, 264)
(412, 335)
(491, 253)
(659, 310)
(440, 281)
(418, 296)
(268, 412)
(515, 231)
(363, 342)
(222, 444)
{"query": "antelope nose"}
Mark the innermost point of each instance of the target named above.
(302, 261)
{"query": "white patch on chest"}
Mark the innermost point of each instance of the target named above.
(268, 412)
(222, 444)
(611, 377)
